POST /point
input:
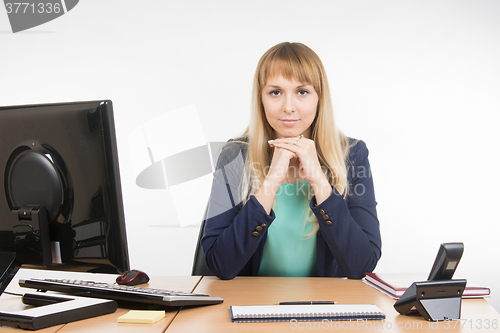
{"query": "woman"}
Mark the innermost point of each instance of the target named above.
(293, 196)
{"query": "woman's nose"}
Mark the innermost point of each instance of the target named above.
(289, 105)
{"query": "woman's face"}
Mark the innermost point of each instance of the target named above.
(290, 106)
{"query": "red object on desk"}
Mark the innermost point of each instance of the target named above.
(395, 284)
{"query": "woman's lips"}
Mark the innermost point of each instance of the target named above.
(289, 122)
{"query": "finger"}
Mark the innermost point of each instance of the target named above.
(295, 141)
(287, 146)
(289, 153)
(282, 141)
(283, 151)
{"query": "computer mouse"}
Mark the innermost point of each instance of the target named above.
(132, 277)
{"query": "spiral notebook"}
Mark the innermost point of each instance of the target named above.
(259, 313)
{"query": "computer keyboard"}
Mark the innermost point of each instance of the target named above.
(120, 293)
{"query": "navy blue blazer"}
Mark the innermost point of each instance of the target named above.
(348, 241)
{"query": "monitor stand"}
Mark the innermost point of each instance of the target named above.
(46, 310)
(51, 310)
(36, 218)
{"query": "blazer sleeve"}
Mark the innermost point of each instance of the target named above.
(232, 233)
(350, 225)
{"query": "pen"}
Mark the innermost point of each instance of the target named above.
(306, 303)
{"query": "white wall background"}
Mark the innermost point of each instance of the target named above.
(419, 81)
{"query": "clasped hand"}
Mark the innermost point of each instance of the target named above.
(308, 165)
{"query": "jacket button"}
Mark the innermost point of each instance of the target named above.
(263, 225)
(329, 222)
(255, 233)
(326, 217)
(322, 212)
(259, 228)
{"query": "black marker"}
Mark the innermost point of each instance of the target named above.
(307, 303)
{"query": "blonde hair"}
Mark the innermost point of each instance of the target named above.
(299, 62)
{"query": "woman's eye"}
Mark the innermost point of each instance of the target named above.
(303, 92)
(275, 92)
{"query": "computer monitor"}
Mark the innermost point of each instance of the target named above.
(60, 191)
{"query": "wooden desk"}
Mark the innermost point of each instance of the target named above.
(477, 314)
(270, 290)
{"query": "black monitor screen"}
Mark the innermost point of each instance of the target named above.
(60, 192)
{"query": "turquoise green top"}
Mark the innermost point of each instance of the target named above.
(288, 250)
